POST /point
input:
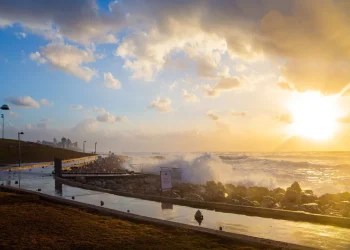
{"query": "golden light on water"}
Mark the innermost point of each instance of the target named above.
(314, 116)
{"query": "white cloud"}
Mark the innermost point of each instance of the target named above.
(240, 68)
(46, 102)
(173, 85)
(189, 97)
(23, 101)
(86, 126)
(68, 58)
(13, 114)
(161, 105)
(211, 114)
(105, 116)
(20, 35)
(238, 114)
(37, 58)
(224, 85)
(76, 107)
(81, 22)
(110, 81)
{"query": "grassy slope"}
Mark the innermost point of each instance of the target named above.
(32, 152)
(28, 222)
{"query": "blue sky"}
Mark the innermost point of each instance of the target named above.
(199, 75)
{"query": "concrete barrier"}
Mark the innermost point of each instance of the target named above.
(224, 207)
(245, 239)
(48, 163)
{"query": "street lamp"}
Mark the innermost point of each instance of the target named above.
(3, 125)
(19, 148)
(19, 157)
(95, 147)
(84, 146)
(4, 107)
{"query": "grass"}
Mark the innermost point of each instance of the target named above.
(33, 152)
(30, 223)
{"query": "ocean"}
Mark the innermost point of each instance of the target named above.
(322, 172)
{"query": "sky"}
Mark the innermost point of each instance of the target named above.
(178, 76)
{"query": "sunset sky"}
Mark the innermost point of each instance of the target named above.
(224, 75)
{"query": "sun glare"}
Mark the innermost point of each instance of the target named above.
(314, 115)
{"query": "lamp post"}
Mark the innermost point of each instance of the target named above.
(84, 146)
(3, 125)
(4, 107)
(95, 147)
(19, 156)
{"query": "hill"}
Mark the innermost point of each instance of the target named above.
(33, 152)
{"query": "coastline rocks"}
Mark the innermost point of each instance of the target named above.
(257, 193)
(193, 197)
(291, 195)
(311, 208)
(308, 198)
(295, 187)
(279, 196)
(268, 202)
(278, 191)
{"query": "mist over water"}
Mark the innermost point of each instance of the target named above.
(323, 172)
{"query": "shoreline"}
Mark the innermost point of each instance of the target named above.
(245, 239)
(225, 207)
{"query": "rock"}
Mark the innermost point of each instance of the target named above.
(268, 201)
(342, 205)
(279, 190)
(279, 196)
(308, 191)
(193, 197)
(276, 205)
(257, 193)
(241, 191)
(308, 198)
(291, 195)
(311, 208)
(246, 202)
(295, 187)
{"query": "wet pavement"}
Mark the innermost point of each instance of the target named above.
(302, 233)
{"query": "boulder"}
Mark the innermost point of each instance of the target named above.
(295, 187)
(193, 197)
(276, 205)
(308, 198)
(246, 202)
(311, 208)
(342, 205)
(241, 191)
(268, 201)
(279, 190)
(233, 201)
(151, 190)
(308, 191)
(279, 196)
(257, 193)
(291, 195)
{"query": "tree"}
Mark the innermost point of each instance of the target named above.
(55, 141)
(63, 140)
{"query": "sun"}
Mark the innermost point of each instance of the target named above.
(314, 116)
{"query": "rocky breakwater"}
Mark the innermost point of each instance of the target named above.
(293, 198)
